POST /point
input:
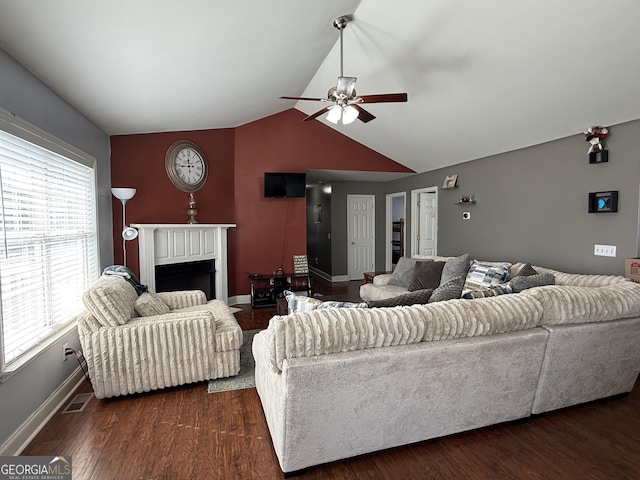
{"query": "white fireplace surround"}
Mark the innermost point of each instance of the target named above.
(166, 244)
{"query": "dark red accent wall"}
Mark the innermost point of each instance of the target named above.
(138, 161)
(269, 231)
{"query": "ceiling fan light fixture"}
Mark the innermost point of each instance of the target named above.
(335, 114)
(349, 114)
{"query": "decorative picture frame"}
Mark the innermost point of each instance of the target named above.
(603, 202)
(300, 264)
(450, 181)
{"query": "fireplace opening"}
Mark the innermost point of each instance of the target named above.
(187, 276)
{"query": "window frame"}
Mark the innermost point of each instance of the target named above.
(24, 130)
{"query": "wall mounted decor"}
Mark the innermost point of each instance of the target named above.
(595, 136)
(466, 199)
(603, 202)
(450, 181)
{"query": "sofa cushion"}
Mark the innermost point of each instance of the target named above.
(455, 267)
(149, 304)
(411, 298)
(447, 291)
(111, 300)
(426, 275)
(565, 304)
(520, 283)
(403, 273)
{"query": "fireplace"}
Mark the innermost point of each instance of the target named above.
(187, 276)
(189, 256)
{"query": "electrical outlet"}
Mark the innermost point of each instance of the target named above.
(604, 250)
(64, 351)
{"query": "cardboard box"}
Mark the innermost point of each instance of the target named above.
(632, 269)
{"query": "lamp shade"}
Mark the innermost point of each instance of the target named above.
(124, 193)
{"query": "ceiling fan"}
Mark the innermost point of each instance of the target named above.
(346, 102)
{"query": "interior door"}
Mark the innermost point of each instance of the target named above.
(360, 235)
(427, 240)
(424, 228)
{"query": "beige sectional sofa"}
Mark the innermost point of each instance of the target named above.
(335, 383)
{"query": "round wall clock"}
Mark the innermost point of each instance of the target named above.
(186, 166)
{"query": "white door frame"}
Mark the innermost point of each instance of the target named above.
(372, 254)
(415, 216)
(389, 226)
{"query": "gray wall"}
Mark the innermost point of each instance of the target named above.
(28, 98)
(339, 194)
(532, 204)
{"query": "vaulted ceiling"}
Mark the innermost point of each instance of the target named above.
(482, 77)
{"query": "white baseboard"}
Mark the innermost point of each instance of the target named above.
(18, 441)
(239, 300)
(327, 277)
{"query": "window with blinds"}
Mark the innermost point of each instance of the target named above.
(48, 242)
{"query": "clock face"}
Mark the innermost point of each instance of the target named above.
(189, 166)
(186, 166)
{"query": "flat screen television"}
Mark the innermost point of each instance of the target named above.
(284, 184)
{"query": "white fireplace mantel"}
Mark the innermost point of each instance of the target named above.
(166, 244)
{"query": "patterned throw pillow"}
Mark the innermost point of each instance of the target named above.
(455, 267)
(149, 304)
(426, 275)
(486, 275)
(300, 303)
(411, 298)
(447, 291)
(521, 283)
(337, 304)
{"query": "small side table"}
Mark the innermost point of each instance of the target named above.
(368, 276)
(282, 306)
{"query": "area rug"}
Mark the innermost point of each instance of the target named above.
(235, 310)
(246, 377)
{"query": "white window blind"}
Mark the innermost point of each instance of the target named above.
(48, 242)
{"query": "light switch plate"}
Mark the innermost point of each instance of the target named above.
(604, 250)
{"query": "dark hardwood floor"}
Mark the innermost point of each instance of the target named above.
(186, 433)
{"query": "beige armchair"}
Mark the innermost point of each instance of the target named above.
(135, 344)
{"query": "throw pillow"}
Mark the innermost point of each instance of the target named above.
(455, 267)
(149, 304)
(486, 275)
(403, 273)
(521, 283)
(110, 300)
(488, 292)
(426, 275)
(411, 298)
(447, 291)
(300, 303)
(337, 304)
(526, 271)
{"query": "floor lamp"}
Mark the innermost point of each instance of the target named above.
(128, 233)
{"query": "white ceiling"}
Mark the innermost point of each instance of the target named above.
(482, 77)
